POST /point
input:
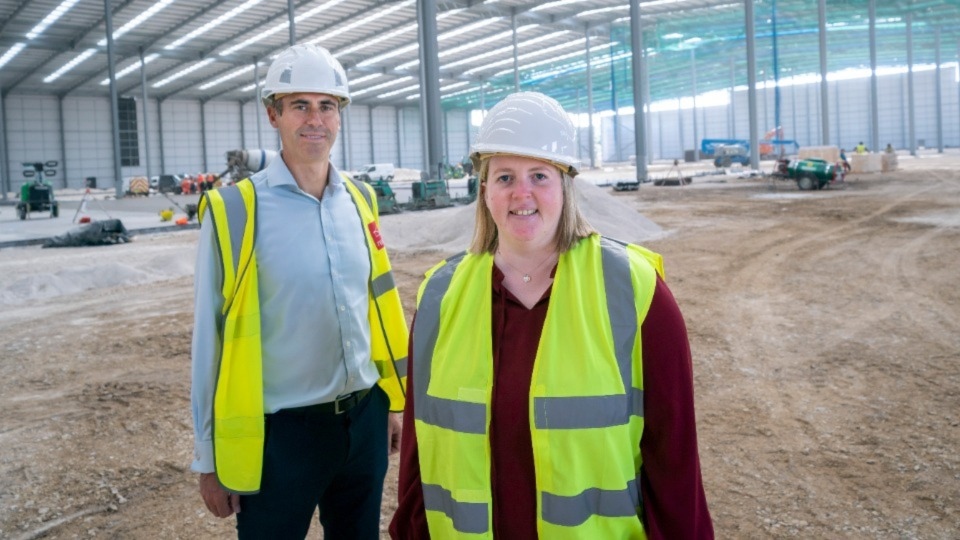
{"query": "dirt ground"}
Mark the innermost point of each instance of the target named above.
(825, 329)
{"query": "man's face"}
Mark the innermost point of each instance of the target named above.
(308, 124)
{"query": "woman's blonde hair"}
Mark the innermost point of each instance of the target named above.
(571, 228)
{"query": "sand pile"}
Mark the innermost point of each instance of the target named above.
(451, 229)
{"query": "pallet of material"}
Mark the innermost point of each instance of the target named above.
(865, 163)
(889, 162)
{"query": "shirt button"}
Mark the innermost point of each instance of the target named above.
(346, 345)
(343, 308)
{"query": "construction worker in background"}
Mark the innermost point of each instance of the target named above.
(300, 339)
(889, 149)
(542, 411)
(861, 148)
(843, 161)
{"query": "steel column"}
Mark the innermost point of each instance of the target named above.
(939, 90)
(373, 150)
(516, 60)
(291, 10)
(752, 83)
(146, 123)
(63, 142)
(590, 149)
(874, 99)
(399, 115)
(912, 141)
(257, 102)
(5, 180)
(203, 135)
(163, 162)
(824, 101)
(114, 112)
(429, 85)
(696, 132)
(640, 91)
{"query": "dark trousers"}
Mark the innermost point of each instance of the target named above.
(336, 462)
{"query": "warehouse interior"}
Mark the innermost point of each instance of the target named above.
(175, 86)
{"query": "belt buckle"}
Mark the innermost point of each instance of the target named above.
(336, 404)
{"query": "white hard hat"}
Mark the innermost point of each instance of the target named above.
(528, 124)
(306, 67)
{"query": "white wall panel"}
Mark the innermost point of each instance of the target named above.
(181, 137)
(384, 135)
(411, 138)
(32, 135)
(358, 134)
(458, 133)
(222, 132)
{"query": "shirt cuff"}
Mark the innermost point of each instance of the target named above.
(203, 457)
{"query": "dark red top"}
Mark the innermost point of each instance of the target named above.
(674, 503)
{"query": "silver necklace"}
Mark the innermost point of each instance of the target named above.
(525, 275)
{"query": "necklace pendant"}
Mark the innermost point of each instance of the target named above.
(526, 278)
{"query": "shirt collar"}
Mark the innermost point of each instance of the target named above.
(279, 175)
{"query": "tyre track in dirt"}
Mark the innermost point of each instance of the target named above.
(798, 350)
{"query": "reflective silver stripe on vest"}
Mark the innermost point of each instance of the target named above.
(361, 189)
(603, 411)
(576, 509)
(400, 365)
(446, 413)
(236, 219)
(466, 517)
(382, 284)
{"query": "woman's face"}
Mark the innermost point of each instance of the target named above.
(525, 199)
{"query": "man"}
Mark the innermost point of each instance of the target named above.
(299, 340)
(861, 148)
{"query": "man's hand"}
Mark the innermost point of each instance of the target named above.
(218, 501)
(394, 427)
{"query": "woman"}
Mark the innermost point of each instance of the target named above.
(551, 393)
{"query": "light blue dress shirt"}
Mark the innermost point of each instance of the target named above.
(313, 267)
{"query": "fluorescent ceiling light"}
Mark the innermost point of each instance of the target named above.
(183, 72)
(370, 42)
(381, 86)
(540, 63)
(468, 46)
(214, 23)
(533, 54)
(454, 85)
(70, 65)
(136, 21)
(129, 69)
(281, 26)
(674, 35)
(227, 77)
(396, 52)
(558, 3)
(51, 18)
(11, 52)
(365, 78)
(252, 86)
(400, 91)
(504, 50)
(360, 22)
(601, 10)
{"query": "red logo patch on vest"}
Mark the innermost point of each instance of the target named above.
(375, 233)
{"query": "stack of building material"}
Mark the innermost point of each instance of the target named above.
(865, 163)
(889, 161)
(830, 154)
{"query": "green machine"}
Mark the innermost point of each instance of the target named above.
(386, 198)
(429, 194)
(37, 196)
(810, 174)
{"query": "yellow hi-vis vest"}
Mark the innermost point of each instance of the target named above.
(238, 416)
(585, 401)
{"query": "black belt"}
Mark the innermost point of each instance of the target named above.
(338, 406)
